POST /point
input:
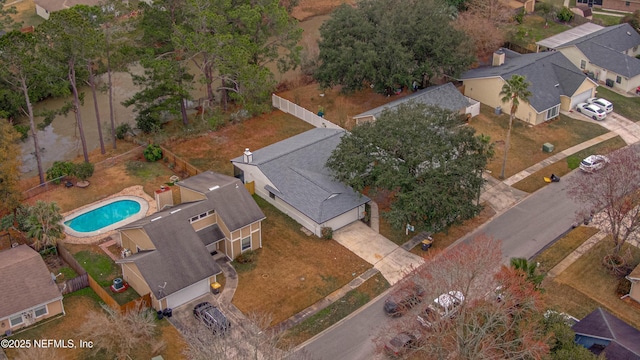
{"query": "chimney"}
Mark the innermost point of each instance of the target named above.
(498, 58)
(248, 156)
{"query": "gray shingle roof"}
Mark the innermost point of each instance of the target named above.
(296, 168)
(618, 37)
(25, 281)
(180, 257)
(603, 325)
(445, 96)
(543, 70)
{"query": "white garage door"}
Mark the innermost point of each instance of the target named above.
(582, 97)
(187, 294)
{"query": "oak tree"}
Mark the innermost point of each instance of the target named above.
(425, 156)
(10, 195)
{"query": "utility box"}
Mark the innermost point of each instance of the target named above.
(547, 147)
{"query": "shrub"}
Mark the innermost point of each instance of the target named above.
(327, 232)
(624, 286)
(148, 121)
(60, 169)
(23, 130)
(565, 15)
(152, 153)
(247, 257)
(122, 130)
(519, 17)
(83, 171)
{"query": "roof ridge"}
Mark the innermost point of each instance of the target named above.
(300, 172)
(337, 132)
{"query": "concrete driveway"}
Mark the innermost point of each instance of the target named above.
(392, 261)
(628, 130)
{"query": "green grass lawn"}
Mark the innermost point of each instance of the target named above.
(101, 268)
(67, 273)
(124, 297)
(628, 107)
(335, 312)
(533, 29)
(607, 20)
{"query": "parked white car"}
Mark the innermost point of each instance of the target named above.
(591, 111)
(603, 104)
(593, 162)
(444, 306)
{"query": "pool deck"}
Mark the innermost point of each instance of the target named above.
(136, 191)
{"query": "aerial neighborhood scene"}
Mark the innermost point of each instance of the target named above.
(320, 179)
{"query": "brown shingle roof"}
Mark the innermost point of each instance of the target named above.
(25, 281)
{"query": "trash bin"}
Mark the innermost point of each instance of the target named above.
(168, 312)
(555, 178)
(215, 288)
(426, 243)
(498, 110)
(160, 315)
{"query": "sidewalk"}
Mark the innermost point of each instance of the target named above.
(575, 255)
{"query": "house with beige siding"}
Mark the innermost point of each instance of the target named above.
(608, 55)
(291, 175)
(28, 291)
(634, 277)
(555, 84)
(169, 253)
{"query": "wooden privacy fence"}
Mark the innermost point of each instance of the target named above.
(70, 260)
(102, 293)
(178, 164)
(77, 283)
(301, 113)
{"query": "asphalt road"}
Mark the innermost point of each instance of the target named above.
(524, 230)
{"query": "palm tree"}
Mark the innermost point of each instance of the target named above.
(514, 90)
(529, 269)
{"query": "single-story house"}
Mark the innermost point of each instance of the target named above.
(601, 332)
(619, 5)
(168, 254)
(29, 292)
(555, 84)
(634, 278)
(291, 175)
(445, 96)
(608, 55)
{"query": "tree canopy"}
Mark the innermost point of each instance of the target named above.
(10, 195)
(387, 43)
(425, 156)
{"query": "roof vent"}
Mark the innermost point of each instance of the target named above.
(175, 211)
(158, 218)
(629, 33)
(214, 187)
(247, 156)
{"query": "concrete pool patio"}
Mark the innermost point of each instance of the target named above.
(131, 192)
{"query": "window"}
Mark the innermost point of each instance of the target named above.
(41, 311)
(583, 64)
(16, 320)
(627, 3)
(246, 243)
(201, 216)
(195, 218)
(553, 112)
(272, 195)
(619, 79)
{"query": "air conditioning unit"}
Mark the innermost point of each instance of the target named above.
(125, 253)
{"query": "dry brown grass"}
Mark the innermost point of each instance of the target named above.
(310, 8)
(292, 270)
(551, 256)
(526, 140)
(215, 150)
(26, 13)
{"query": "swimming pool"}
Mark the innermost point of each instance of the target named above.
(106, 215)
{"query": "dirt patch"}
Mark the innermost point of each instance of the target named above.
(310, 8)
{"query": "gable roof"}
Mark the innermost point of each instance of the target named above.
(25, 281)
(180, 257)
(620, 38)
(296, 168)
(551, 75)
(445, 96)
(603, 325)
(557, 40)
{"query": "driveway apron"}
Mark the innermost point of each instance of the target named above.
(392, 261)
(628, 130)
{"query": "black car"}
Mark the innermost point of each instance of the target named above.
(398, 304)
(212, 318)
(401, 344)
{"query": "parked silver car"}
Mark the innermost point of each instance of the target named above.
(603, 104)
(591, 111)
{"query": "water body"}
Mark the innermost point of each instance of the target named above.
(61, 141)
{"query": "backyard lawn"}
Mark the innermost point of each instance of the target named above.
(292, 270)
(533, 29)
(527, 140)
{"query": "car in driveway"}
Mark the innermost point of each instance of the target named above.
(593, 163)
(212, 318)
(400, 302)
(603, 104)
(591, 111)
(401, 344)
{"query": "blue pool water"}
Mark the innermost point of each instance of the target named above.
(104, 216)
